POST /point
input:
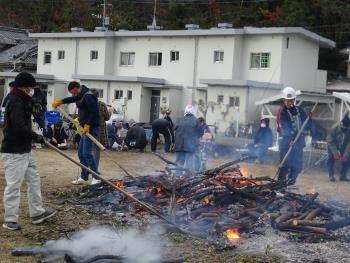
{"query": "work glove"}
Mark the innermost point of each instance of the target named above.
(344, 159)
(336, 156)
(56, 103)
(86, 129)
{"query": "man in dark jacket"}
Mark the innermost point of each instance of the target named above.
(168, 118)
(16, 152)
(339, 149)
(135, 137)
(262, 141)
(290, 118)
(39, 107)
(88, 112)
(187, 134)
(162, 126)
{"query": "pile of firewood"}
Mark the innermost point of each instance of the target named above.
(216, 201)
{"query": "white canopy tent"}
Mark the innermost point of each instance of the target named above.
(324, 111)
(344, 103)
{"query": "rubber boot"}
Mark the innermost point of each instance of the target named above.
(331, 178)
(343, 178)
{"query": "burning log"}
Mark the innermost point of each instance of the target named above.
(306, 223)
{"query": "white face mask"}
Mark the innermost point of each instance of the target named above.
(263, 125)
(31, 92)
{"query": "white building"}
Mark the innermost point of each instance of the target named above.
(145, 71)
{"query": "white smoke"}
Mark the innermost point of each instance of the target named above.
(134, 245)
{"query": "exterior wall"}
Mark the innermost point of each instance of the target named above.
(87, 66)
(175, 104)
(257, 44)
(174, 72)
(55, 91)
(145, 105)
(221, 115)
(133, 108)
(110, 63)
(207, 68)
(299, 64)
(61, 69)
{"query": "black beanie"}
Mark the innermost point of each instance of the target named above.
(23, 80)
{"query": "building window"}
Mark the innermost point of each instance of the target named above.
(155, 59)
(129, 94)
(60, 55)
(174, 56)
(47, 57)
(260, 60)
(93, 55)
(234, 102)
(218, 56)
(220, 99)
(118, 94)
(127, 58)
(99, 93)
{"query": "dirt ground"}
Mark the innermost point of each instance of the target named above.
(57, 173)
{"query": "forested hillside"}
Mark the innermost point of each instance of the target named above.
(329, 18)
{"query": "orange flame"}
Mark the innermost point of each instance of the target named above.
(120, 184)
(159, 189)
(206, 200)
(232, 234)
(180, 200)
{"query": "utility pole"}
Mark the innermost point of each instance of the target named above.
(105, 18)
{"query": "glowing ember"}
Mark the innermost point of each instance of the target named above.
(120, 184)
(311, 190)
(206, 200)
(232, 234)
(180, 200)
(149, 188)
(159, 189)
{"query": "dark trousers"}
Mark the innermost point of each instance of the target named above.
(155, 136)
(85, 153)
(293, 165)
(330, 165)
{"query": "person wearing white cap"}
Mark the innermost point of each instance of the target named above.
(188, 131)
(290, 118)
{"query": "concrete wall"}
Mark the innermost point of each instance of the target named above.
(299, 64)
(257, 44)
(62, 69)
(222, 115)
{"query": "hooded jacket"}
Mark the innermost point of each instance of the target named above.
(188, 131)
(264, 135)
(18, 133)
(339, 141)
(87, 106)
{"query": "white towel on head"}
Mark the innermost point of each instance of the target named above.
(190, 110)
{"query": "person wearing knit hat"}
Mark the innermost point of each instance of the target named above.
(188, 131)
(20, 163)
(339, 148)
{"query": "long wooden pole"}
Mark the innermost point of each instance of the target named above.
(93, 139)
(97, 176)
(293, 143)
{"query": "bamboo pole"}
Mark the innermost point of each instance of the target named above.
(293, 143)
(92, 138)
(97, 176)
